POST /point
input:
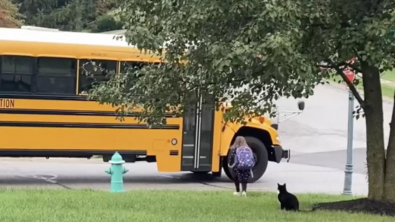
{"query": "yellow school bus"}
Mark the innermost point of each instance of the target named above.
(44, 112)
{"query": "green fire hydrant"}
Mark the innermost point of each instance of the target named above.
(116, 171)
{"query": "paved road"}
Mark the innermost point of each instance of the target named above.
(322, 127)
(89, 174)
(317, 139)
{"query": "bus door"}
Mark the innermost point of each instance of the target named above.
(198, 125)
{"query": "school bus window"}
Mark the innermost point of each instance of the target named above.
(94, 70)
(128, 66)
(56, 75)
(16, 73)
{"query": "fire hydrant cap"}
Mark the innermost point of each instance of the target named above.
(116, 159)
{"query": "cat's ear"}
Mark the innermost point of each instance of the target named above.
(285, 185)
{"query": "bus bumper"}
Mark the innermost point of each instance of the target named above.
(280, 153)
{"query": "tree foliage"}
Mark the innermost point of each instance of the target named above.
(9, 16)
(253, 52)
(107, 23)
(243, 51)
(67, 15)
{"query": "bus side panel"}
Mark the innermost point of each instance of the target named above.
(95, 141)
(43, 138)
(166, 159)
(217, 141)
(60, 105)
(226, 139)
(49, 126)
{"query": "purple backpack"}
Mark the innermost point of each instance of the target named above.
(244, 158)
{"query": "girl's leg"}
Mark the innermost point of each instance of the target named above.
(245, 177)
(244, 187)
(237, 184)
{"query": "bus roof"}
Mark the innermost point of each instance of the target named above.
(39, 28)
(62, 37)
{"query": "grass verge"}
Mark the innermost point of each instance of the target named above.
(389, 75)
(87, 206)
(386, 90)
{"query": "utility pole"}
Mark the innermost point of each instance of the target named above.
(350, 133)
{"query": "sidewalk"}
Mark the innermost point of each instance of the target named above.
(310, 179)
(83, 174)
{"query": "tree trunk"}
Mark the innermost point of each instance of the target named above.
(389, 183)
(374, 131)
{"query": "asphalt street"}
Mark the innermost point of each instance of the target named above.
(317, 138)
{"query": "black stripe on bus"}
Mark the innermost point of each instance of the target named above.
(13, 152)
(66, 112)
(173, 152)
(86, 125)
(43, 97)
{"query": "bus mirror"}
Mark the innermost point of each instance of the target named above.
(301, 105)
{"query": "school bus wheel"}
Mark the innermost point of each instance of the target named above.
(228, 173)
(261, 157)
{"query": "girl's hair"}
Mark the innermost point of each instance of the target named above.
(239, 141)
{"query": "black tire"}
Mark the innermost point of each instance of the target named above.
(262, 157)
(226, 168)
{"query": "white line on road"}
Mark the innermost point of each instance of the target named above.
(48, 178)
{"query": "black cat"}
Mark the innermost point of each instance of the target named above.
(288, 201)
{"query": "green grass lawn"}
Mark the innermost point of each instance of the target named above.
(386, 90)
(86, 206)
(389, 75)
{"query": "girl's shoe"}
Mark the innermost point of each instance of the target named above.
(236, 194)
(244, 194)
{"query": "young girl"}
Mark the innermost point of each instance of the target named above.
(240, 176)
